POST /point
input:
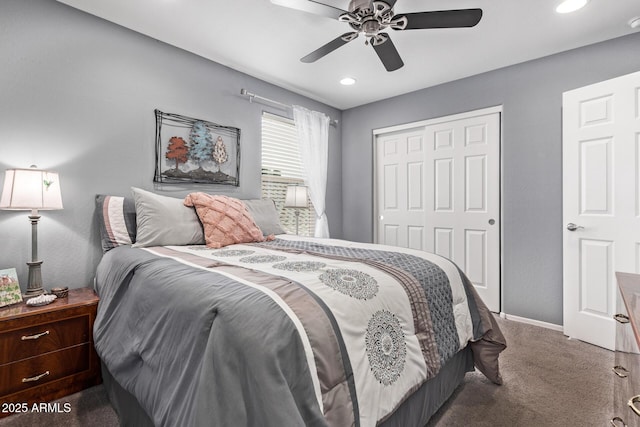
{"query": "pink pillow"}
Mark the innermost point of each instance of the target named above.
(226, 220)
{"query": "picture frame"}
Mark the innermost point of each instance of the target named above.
(197, 151)
(9, 287)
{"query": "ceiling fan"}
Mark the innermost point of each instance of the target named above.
(370, 18)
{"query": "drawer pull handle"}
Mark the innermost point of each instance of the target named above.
(632, 404)
(614, 422)
(36, 378)
(621, 318)
(621, 371)
(34, 337)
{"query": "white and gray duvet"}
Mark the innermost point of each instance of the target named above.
(284, 333)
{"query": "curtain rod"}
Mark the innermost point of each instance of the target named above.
(253, 96)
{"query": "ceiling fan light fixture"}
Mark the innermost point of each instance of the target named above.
(370, 27)
(569, 6)
(347, 81)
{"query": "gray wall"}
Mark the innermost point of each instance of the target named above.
(531, 96)
(77, 96)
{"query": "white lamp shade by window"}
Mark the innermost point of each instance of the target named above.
(297, 197)
(28, 189)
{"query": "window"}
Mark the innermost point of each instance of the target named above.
(281, 166)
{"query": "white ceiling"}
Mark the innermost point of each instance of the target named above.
(267, 41)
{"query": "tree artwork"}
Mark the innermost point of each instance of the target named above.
(177, 150)
(201, 143)
(190, 150)
(220, 152)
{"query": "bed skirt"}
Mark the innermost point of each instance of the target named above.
(415, 411)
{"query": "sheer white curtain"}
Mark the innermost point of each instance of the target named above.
(313, 138)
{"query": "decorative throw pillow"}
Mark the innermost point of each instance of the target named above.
(265, 215)
(226, 220)
(117, 221)
(163, 220)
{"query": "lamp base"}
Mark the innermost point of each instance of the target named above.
(34, 284)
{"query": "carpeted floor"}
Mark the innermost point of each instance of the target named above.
(549, 380)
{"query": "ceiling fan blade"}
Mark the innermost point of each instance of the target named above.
(441, 19)
(329, 47)
(388, 54)
(311, 6)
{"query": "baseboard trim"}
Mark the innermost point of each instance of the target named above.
(552, 326)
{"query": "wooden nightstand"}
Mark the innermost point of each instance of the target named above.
(47, 352)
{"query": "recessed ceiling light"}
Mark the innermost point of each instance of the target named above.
(568, 6)
(635, 22)
(347, 81)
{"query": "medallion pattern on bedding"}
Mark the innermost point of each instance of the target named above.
(353, 283)
(386, 346)
(259, 259)
(300, 266)
(233, 252)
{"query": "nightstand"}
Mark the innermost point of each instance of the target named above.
(47, 352)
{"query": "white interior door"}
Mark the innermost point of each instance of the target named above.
(400, 181)
(601, 203)
(438, 189)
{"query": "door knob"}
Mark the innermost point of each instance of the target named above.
(573, 227)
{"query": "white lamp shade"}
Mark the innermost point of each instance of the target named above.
(296, 197)
(28, 189)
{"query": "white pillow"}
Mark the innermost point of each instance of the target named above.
(163, 221)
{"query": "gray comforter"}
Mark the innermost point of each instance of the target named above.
(285, 333)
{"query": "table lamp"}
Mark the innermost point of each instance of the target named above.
(31, 189)
(297, 197)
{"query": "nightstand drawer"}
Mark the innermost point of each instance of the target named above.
(42, 369)
(31, 341)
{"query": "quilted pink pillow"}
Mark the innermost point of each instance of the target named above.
(226, 220)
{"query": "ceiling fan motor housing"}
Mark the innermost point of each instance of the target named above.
(369, 17)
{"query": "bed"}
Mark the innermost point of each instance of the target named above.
(274, 329)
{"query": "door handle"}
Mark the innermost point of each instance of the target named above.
(573, 227)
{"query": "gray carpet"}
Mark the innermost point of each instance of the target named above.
(548, 381)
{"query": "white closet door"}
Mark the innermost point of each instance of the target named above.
(438, 189)
(401, 190)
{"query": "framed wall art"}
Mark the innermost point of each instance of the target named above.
(9, 287)
(198, 151)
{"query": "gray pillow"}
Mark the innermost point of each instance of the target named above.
(163, 220)
(265, 215)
